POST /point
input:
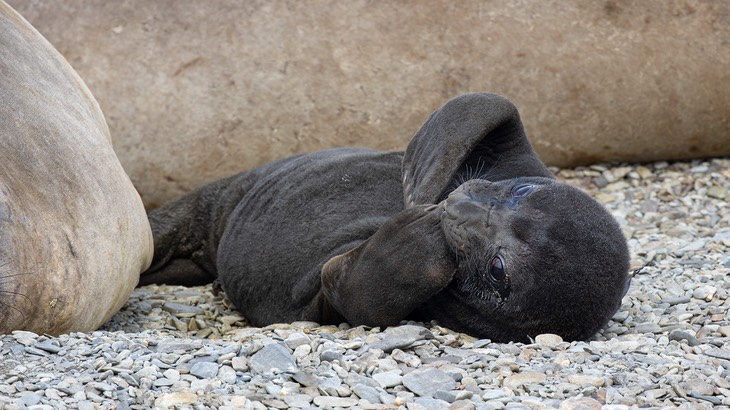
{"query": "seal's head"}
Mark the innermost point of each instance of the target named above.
(489, 243)
(534, 256)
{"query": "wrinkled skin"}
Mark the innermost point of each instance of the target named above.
(466, 227)
(74, 234)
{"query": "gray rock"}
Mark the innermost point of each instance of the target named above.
(275, 403)
(48, 346)
(388, 379)
(647, 327)
(331, 356)
(177, 346)
(176, 399)
(425, 382)
(307, 379)
(705, 292)
(297, 400)
(204, 370)
(678, 300)
(354, 379)
(227, 375)
(86, 405)
(580, 403)
(680, 335)
(712, 399)
(35, 351)
(209, 358)
(328, 401)
(548, 339)
(464, 405)
(328, 381)
(367, 393)
(171, 374)
(296, 339)
(239, 363)
(272, 358)
(521, 379)
(29, 399)
(451, 396)
(401, 337)
(179, 308)
(162, 382)
(431, 404)
(585, 379)
(699, 386)
(719, 353)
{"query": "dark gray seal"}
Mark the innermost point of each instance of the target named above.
(466, 227)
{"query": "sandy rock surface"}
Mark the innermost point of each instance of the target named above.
(194, 91)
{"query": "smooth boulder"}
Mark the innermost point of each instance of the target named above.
(195, 91)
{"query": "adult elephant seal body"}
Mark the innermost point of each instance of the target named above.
(73, 232)
(467, 227)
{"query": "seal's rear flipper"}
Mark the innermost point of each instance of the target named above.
(182, 272)
(474, 135)
(186, 232)
(392, 273)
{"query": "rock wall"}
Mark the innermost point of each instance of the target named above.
(193, 91)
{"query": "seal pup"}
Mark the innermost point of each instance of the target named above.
(74, 235)
(467, 227)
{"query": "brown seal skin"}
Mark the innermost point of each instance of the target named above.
(466, 227)
(73, 232)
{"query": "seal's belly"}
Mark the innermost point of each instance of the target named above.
(297, 216)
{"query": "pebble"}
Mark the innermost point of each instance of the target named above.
(520, 379)
(204, 370)
(427, 403)
(328, 401)
(680, 335)
(273, 358)
(227, 375)
(390, 378)
(648, 327)
(580, 379)
(400, 337)
(176, 399)
(668, 345)
(367, 393)
(179, 308)
(424, 382)
(580, 403)
(719, 353)
(705, 293)
(548, 339)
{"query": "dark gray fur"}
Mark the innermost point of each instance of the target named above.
(373, 238)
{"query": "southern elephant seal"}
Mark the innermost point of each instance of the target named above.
(73, 231)
(467, 226)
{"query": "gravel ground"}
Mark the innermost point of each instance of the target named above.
(668, 346)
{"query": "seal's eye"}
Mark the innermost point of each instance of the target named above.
(522, 190)
(496, 269)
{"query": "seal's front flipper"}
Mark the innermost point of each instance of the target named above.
(392, 273)
(471, 136)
